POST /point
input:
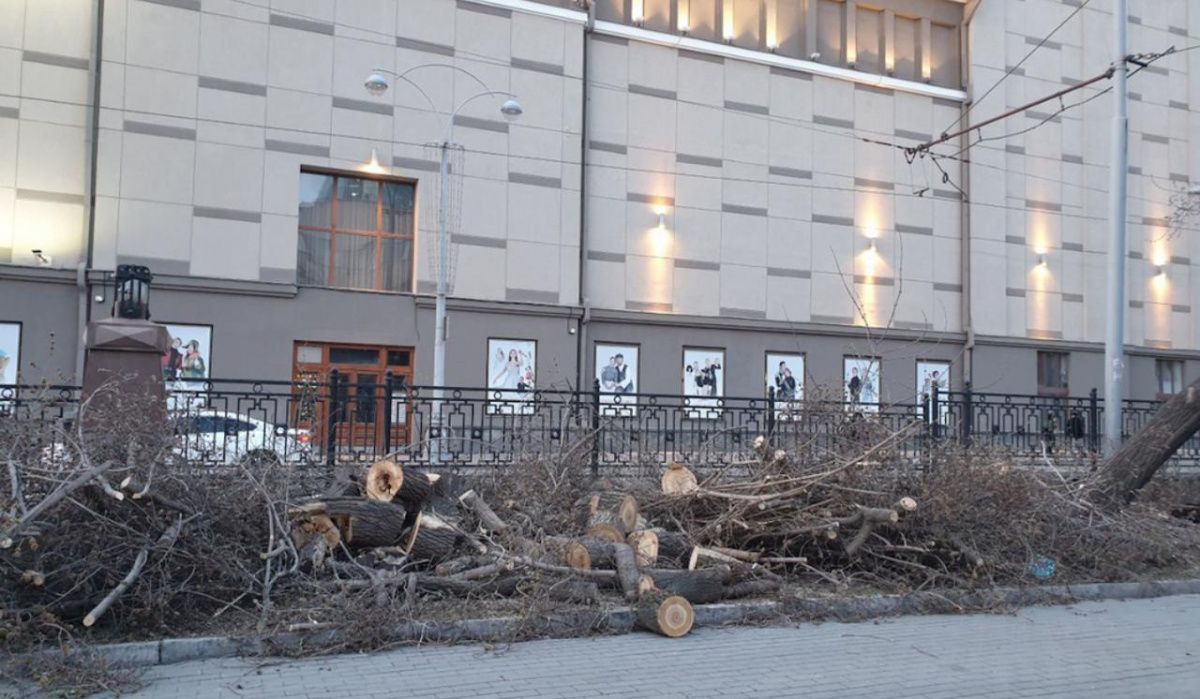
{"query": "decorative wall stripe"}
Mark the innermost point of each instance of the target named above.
(649, 306)
(419, 164)
(744, 107)
(912, 135)
(1178, 31)
(1173, 104)
(914, 230)
(944, 286)
(144, 128)
(1014, 239)
(233, 86)
(297, 148)
(834, 220)
(948, 194)
(873, 184)
(1074, 247)
(792, 172)
(56, 197)
(831, 320)
(1159, 344)
(1068, 158)
(599, 256)
(1015, 70)
(1135, 170)
(1034, 41)
(742, 313)
(1015, 149)
(483, 124)
(363, 106)
(483, 9)
(743, 210)
(874, 281)
(404, 42)
(697, 160)
(1178, 177)
(698, 56)
(479, 241)
(531, 296)
(1072, 298)
(833, 121)
(608, 147)
(9, 112)
(1135, 96)
(1155, 138)
(650, 199)
(1043, 116)
(1016, 293)
(226, 214)
(54, 59)
(792, 273)
(1135, 255)
(1161, 222)
(1044, 334)
(193, 5)
(697, 264)
(535, 180)
(537, 66)
(1180, 308)
(1042, 205)
(304, 25)
(1180, 260)
(1137, 304)
(652, 91)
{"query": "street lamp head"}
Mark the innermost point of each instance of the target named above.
(511, 109)
(376, 83)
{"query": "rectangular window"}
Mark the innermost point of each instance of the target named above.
(355, 232)
(1052, 373)
(1170, 376)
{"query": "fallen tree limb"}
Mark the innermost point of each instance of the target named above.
(168, 537)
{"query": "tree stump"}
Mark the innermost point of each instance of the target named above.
(678, 480)
(664, 614)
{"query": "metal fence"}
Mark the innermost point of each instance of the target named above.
(335, 419)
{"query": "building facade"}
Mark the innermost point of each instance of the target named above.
(708, 181)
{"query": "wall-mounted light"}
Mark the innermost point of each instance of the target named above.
(1041, 259)
(372, 165)
(874, 247)
(1161, 270)
(662, 221)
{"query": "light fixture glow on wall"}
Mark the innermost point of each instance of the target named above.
(662, 221)
(1162, 270)
(637, 11)
(772, 24)
(1041, 259)
(727, 21)
(682, 12)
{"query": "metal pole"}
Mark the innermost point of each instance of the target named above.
(1114, 354)
(439, 330)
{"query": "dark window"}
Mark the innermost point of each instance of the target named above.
(1052, 373)
(397, 358)
(1170, 376)
(352, 355)
(355, 232)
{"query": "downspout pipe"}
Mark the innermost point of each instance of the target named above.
(585, 315)
(964, 169)
(89, 242)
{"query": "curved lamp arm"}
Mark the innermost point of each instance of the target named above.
(472, 98)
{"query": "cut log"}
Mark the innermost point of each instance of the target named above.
(384, 479)
(669, 615)
(905, 505)
(678, 480)
(489, 521)
(610, 516)
(673, 547)
(434, 539)
(627, 570)
(575, 555)
(360, 523)
(645, 547)
(697, 586)
(581, 591)
(701, 555)
(748, 588)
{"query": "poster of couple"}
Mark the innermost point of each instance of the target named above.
(186, 364)
(703, 381)
(511, 375)
(785, 376)
(861, 388)
(617, 373)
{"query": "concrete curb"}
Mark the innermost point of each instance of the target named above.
(620, 620)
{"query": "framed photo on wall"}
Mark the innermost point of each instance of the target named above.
(703, 381)
(10, 352)
(933, 375)
(860, 383)
(785, 376)
(187, 364)
(511, 375)
(617, 371)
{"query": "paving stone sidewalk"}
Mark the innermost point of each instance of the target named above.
(1142, 648)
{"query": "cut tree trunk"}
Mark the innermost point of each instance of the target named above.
(1131, 468)
(645, 546)
(361, 523)
(489, 521)
(609, 516)
(673, 547)
(678, 480)
(696, 586)
(669, 615)
(387, 480)
(434, 539)
(584, 591)
(588, 553)
(627, 570)
(748, 588)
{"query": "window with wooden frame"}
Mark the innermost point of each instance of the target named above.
(355, 232)
(1052, 373)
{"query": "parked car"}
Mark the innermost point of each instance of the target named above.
(218, 437)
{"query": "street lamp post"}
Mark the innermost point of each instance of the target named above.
(377, 84)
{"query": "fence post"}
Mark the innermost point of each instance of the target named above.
(968, 414)
(331, 419)
(935, 413)
(771, 415)
(1093, 421)
(595, 427)
(388, 389)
